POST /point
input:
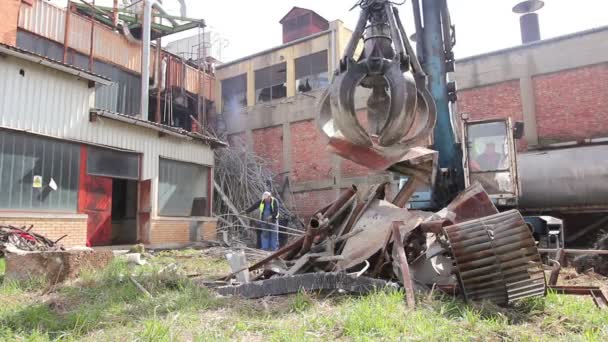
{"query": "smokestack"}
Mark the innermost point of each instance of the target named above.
(528, 22)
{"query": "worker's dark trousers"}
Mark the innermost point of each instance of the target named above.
(270, 236)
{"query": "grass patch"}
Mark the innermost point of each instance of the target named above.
(107, 306)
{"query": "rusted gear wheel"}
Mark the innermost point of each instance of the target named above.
(496, 259)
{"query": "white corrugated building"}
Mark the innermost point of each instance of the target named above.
(99, 177)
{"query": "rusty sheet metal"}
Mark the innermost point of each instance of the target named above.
(403, 264)
(375, 225)
(185, 76)
(496, 258)
(471, 204)
(80, 34)
(114, 47)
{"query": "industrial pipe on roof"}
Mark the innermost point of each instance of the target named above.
(145, 54)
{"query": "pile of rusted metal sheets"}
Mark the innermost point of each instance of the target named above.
(362, 241)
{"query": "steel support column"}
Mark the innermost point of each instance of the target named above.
(435, 68)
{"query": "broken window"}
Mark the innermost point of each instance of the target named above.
(182, 188)
(234, 93)
(270, 83)
(38, 173)
(311, 72)
(488, 156)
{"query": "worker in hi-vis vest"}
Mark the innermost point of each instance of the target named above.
(269, 213)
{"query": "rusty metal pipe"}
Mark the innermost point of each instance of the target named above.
(405, 269)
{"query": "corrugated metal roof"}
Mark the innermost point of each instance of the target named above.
(36, 58)
(176, 131)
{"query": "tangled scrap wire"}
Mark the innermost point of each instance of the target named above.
(25, 240)
(244, 176)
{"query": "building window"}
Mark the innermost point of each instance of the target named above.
(311, 72)
(182, 189)
(234, 93)
(38, 173)
(270, 83)
(111, 163)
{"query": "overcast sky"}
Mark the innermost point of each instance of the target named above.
(250, 26)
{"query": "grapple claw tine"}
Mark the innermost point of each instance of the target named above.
(402, 107)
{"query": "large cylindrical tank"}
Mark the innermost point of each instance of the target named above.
(564, 179)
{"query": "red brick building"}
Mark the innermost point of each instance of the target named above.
(558, 87)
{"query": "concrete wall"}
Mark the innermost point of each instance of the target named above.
(53, 226)
(557, 87)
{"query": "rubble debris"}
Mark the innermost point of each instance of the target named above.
(55, 266)
(595, 259)
(308, 281)
(15, 240)
(494, 254)
(238, 262)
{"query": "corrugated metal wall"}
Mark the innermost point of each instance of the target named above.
(49, 102)
(47, 20)
(122, 96)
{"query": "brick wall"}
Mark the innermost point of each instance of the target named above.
(495, 101)
(53, 227)
(268, 143)
(208, 230)
(169, 231)
(572, 104)
(307, 203)
(310, 160)
(8, 24)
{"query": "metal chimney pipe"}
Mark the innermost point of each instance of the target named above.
(145, 50)
(528, 22)
(145, 56)
(530, 28)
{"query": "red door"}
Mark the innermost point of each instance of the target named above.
(95, 200)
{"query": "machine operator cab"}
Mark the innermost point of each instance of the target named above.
(489, 157)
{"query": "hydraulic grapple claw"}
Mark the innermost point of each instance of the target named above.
(400, 111)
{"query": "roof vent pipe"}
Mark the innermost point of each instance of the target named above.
(528, 22)
(145, 49)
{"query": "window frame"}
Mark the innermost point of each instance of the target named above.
(64, 200)
(241, 104)
(273, 84)
(308, 62)
(207, 190)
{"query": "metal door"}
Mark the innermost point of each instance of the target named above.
(95, 200)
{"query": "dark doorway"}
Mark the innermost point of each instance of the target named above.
(124, 211)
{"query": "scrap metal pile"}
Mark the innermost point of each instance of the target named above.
(361, 242)
(13, 239)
